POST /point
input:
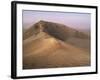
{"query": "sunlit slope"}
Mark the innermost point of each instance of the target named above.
(44, 51)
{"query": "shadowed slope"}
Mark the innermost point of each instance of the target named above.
(57, 30)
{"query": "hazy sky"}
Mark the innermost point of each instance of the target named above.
(75, 20)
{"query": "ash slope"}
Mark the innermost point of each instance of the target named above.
(45, 46)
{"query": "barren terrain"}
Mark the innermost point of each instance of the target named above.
(50, 45)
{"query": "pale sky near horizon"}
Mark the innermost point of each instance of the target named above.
(75, 20)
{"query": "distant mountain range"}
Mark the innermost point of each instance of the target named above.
(48, 44)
